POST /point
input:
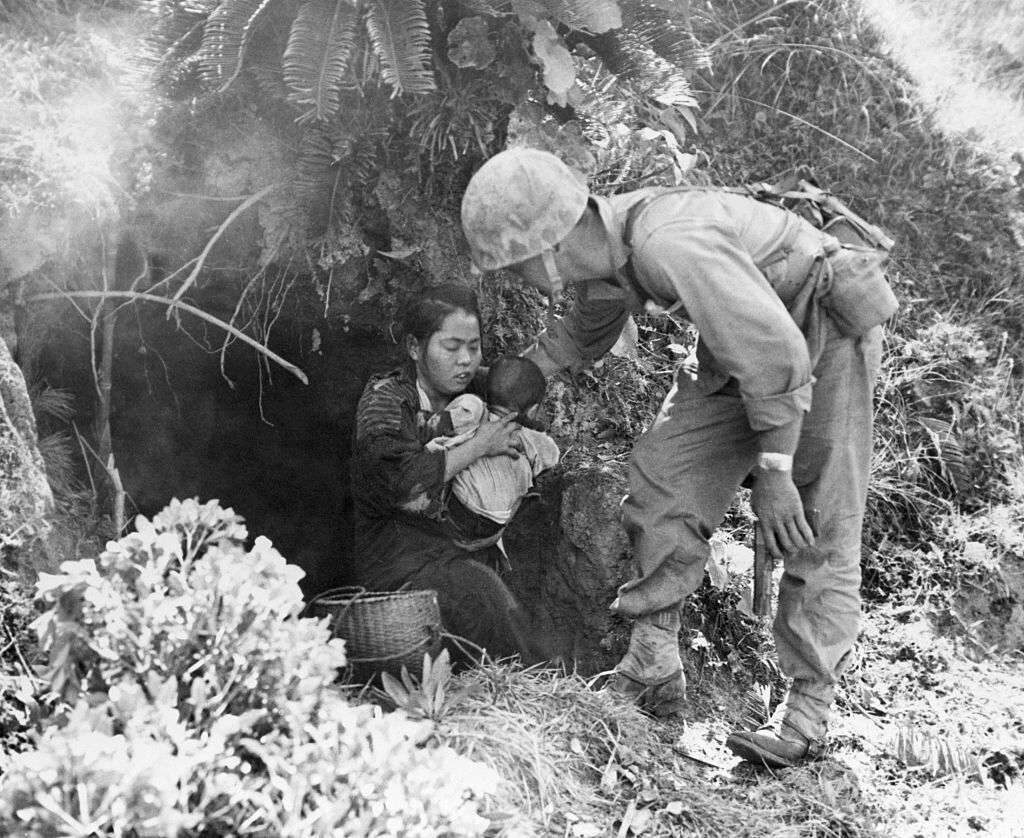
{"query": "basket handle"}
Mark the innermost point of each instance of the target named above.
(355, 592)
(462, 642)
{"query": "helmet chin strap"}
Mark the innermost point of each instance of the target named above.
(554, 277)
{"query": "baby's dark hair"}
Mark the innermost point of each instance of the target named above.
(515, 383)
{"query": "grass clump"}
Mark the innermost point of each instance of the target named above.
(576, 761)
(19, 684)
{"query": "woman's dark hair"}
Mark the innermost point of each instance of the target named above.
(426, 312)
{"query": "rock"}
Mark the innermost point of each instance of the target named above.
(25, 496)
(592, 560)
(570, 553)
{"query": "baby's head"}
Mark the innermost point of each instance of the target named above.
(515, 384)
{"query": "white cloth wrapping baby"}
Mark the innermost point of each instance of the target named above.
(494, 486)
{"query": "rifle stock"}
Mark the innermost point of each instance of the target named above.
(762, 575)
(763, 566)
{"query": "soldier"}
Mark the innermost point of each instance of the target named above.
(790, 343)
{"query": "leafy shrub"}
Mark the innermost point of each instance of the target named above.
(202, 704)
(968, 552)
(948, 428)
(181, 598)
(84, 777)
(134, 767)
(19, 706)
(719, 615)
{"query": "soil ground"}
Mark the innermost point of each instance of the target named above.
(926, 741)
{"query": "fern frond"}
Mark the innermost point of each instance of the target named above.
(603, 103)
(176, 26)
(318, 54)
(316, 160)
(58, 453)
(400, 35)
(594, 16)
(322, 181)
(175, 36)
(658, 31)
(933, 755)
(756, 706)
(648, 73)
(225, 38)
(492, 8)
(949, 450)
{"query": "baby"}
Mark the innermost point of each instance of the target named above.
(491, 489)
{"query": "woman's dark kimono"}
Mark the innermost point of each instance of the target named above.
(404, 535)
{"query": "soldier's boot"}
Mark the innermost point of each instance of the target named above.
(795, 733)
(651, 672)
(663, 700)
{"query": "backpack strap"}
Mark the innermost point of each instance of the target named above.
(799, 194)
(627, 274)
(822, 208)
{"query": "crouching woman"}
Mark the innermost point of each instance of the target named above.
(405, 537)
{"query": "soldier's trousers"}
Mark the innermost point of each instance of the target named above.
(684, 474)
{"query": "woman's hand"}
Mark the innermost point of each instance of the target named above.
(498, 437)
(491, 439)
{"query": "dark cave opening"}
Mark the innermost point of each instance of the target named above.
(249, 434)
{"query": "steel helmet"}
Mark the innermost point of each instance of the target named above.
(521, 203)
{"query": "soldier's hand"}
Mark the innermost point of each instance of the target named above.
(778, 506)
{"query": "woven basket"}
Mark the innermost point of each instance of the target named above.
(382, 630)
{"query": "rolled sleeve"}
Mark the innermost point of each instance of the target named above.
(742, 322)
(765, 412)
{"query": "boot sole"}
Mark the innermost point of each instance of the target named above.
(749, 750)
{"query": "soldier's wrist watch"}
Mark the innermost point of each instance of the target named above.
(770, 461)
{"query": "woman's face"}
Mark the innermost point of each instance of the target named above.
(446, 363)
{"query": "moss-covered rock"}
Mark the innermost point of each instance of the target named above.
(25, 496)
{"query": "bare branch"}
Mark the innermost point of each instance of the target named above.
(83, 445)
(237, 211)
(173, 304)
